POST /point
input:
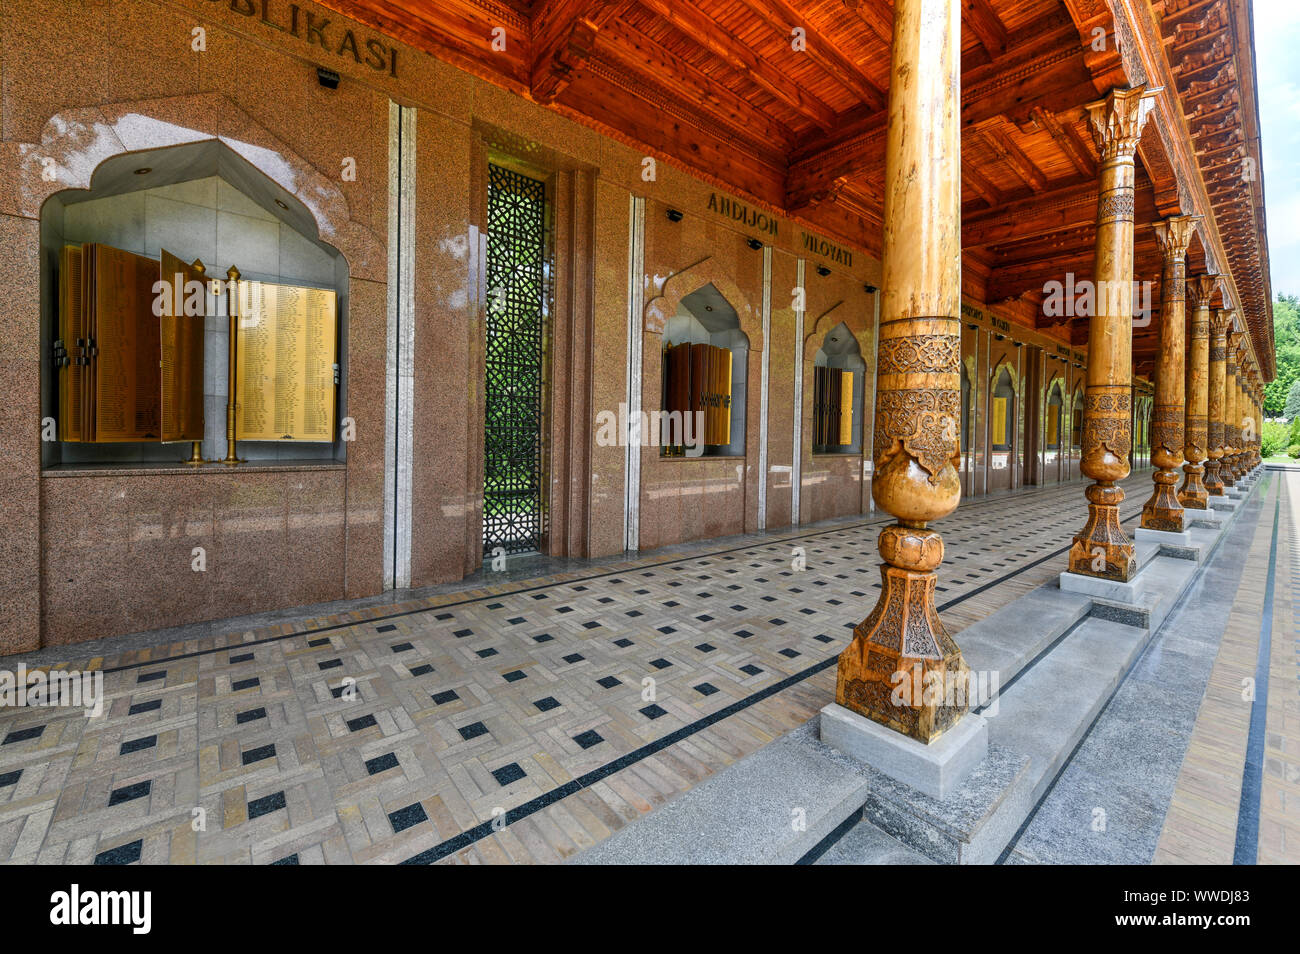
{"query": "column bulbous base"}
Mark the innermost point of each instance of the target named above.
(1213, 484)
(1192, 494)
(1163, 510)
(1102, 548)
(902, 669)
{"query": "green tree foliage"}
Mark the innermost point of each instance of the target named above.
(1286, 339)
(1273, 438)
(1292, 401)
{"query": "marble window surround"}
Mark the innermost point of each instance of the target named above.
(210, 219)
(98, 538)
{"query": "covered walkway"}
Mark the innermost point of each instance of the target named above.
(527, 693)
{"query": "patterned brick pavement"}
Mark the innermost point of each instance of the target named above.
(513, 723)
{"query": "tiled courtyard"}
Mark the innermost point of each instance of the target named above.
(520, 722)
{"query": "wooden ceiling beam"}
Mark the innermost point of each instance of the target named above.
(781, 19)
(642, 55)
(985, 24)
(696, 25)
(1067, 140)
(563, 35)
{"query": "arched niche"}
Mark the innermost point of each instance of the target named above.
(200, 200)
(1076, 418)
(705, 316)
(1002, 408)
(967, 408)
(1054, 418)
(839, 351)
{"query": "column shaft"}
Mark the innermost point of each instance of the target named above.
(1102, 548)
(1163, 510)
(1193, 494)
(1214, 428)
(903, 644)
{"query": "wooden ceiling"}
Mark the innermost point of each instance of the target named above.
(717, 87)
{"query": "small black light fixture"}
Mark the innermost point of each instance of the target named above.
(281, 205)
(972, 326)
(327, 78)
(1000, 337)
(823, 271)
(1018, 344)
(675, 215)
(869, 289)
(754, 243)
(144, 170)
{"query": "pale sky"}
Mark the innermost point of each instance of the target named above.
(1277, 46)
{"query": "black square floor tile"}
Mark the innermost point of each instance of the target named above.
(149, 706)
(363, 722)
(407, 817)
(744, 633)
(472, 731)
(706, 647)
(507, 774)
(423, 670)
(241, 658)
(265, 805)
(442, 698)
(654, 711)
(623, 643)
(22, 735)
(402, 647)
(386, 628)
(750, 670)
(381, 763)
(330, 664)
(259, 754)
(543, 638)
(574, 658)
(128, 793)
(10, 778)
(514, 675)
(706, 689)
(138, 745)
(789, 653)
(547, 704)
(660, 663)
(121, 855)
(589, 738)
(243, 684)
(609, 682)
(486, 653)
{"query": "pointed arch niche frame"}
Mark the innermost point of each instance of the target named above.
(118, 150)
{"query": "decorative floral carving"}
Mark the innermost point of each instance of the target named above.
(920, 353)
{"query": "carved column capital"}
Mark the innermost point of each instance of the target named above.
(1174, 234)
(1201, 289)
(1117, 121)
(1220, 324)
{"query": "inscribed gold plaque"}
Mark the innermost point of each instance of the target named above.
(999, 421)
(288, 345)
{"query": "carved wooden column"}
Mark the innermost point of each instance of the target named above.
(1102, 548)
(1231, 430)
(918, 386)
(1192, 494)
(1241, 414)
(1219, 325)
(1163, 511)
